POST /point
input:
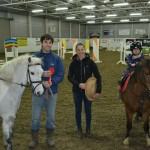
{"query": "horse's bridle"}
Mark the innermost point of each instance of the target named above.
(29, 81)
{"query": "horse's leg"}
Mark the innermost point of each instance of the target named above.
(129, 116)
(146, 126)
(8, 123)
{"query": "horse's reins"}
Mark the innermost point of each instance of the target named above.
(29, 83)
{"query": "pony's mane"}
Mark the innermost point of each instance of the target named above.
(145, 63)
(9, 67)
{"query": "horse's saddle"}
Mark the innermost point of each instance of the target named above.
(125, 81)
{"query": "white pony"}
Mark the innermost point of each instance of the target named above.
(14, 76)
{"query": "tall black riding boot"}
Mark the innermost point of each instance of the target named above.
(88, 133)
(79, 133)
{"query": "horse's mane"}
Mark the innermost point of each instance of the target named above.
(9, 67)
(145, 63)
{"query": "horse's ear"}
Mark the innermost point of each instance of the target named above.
(29, 59)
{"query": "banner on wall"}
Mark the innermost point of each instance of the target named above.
(124, 31)
(22, 41)
(140, 31)
(144, 42)
(108, 32)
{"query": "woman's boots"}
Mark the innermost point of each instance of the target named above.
(79, 133)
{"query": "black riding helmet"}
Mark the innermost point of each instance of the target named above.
(135, 45)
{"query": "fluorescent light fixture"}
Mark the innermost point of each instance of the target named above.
(107, 21)
(90, 21)
(70, 17)
(111, 15)
(144, 19)
(61, 8)
(106, 1)
(37, 10)
(124, 20)
(89, 6)
(90, 16)
(135, 14)
(120, 4)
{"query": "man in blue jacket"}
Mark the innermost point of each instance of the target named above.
(53, 74)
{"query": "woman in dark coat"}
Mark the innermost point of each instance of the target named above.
(80, 69)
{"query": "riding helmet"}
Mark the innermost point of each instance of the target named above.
(136, 45)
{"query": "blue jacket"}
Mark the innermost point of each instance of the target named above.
(51, 60)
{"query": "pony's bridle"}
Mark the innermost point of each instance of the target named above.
(29, 81)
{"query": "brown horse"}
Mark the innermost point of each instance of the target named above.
(137, 97)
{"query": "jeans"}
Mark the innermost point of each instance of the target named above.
(50, 105)
(78, 97)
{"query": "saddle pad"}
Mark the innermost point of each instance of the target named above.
(126, 81)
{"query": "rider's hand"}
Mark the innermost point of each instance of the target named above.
(132, 65)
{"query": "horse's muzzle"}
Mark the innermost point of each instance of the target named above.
(39, 93)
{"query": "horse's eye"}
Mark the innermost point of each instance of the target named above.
(32, 73)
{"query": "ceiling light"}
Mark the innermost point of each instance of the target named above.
(90, 21)
(135, 14)
(106, 1)
(149, 2)
(144, 19)
(88, 6)
(61, 8)
(120, 4)
(37, 10)
(90, 16)
(70, 17)
(124, 20)
(107, 21)
(111, 15)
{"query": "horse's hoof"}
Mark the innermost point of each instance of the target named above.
(126, 141)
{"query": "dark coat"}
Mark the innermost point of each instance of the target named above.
(80, 71)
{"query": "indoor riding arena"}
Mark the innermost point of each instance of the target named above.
(107, 29)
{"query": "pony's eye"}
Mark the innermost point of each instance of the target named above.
(32, 73)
